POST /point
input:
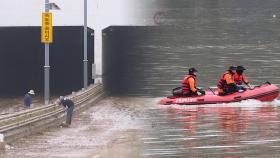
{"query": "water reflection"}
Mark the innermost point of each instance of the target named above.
(229, 119)
(221, 131)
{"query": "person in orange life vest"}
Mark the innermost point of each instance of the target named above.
(226, 83)
(189, 84)
(239, 77)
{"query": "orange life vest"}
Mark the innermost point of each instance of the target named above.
(186, 85)
(222, 83)
(238, 79)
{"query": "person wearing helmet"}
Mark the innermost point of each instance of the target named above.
(239, 77)
(226, 84)
(189, 84)
(69, 106)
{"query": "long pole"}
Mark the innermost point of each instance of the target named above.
(85, 46)
(47, 66)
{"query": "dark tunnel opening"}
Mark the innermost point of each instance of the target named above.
(22, 60)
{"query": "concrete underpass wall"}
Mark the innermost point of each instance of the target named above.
(22, 60)
(208, 35)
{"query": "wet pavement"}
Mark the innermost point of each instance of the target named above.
(14, 104)
(98, 131)
(124, 127)
(10, 105)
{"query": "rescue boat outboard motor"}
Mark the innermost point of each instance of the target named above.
(177, 91)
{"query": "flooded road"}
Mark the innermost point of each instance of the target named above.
(95, 132)
(127, 127)
(150, 61)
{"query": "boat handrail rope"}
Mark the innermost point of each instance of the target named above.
(210, 88)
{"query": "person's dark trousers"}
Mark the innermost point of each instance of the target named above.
(69, 115)
(232, 89)
(189, 94)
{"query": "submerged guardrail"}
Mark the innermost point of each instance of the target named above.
(11, 124)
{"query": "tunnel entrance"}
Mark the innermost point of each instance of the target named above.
(22, 60)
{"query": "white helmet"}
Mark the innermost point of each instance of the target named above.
(31, 92)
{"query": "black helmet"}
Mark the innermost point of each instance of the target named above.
(231, 68)
(192, 70)
(240, 68)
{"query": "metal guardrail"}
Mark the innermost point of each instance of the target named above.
(22, 118)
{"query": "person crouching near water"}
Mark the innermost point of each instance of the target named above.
(239, 78)
(226, 83)
(69, 106)
(189, 84)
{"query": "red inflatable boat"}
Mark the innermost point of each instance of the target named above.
(265, 92)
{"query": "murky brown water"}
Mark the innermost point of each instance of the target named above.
(138, 127)
(209, 35)
(247, 129)
(149, 61)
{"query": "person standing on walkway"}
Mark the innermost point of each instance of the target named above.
(69, 105)
(28, 99)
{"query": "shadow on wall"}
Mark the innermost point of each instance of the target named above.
(22, 60)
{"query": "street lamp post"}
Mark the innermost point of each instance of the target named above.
(47, 65)
(85, 61)
(46, 38)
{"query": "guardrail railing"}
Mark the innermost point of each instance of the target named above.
(22, 118)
